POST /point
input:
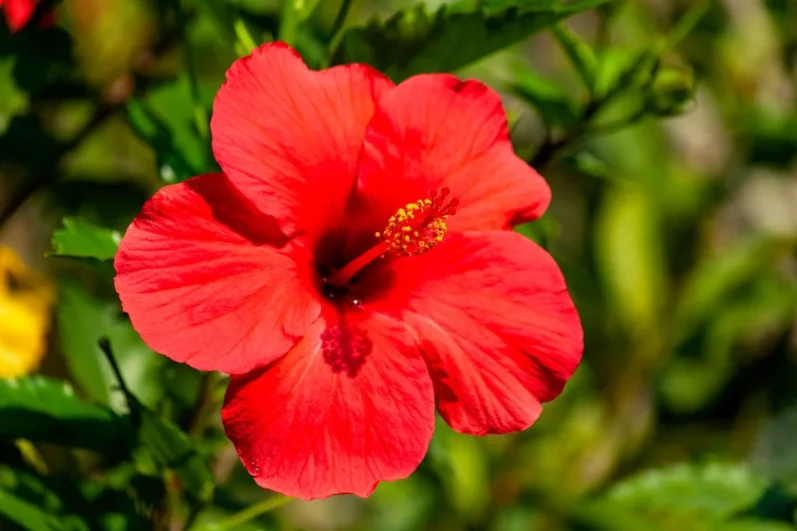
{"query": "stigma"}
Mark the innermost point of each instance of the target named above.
(420, 226)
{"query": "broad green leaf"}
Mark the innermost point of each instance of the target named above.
(414, 41)
(45, 410)
(169, 447)
(580, 54)
(82, 321)
(81, 239)
(554, 105)
(707, 492)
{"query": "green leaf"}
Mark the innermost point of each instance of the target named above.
(166, 119)
(414, 41)
(45, 410)
(579, 53)
(25, 514)
(554, 105)
(82, 321)
(707, 492)
(170, 447)
(81, 239)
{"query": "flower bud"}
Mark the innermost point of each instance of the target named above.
(672, 91)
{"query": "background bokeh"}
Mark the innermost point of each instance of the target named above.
(667, 130)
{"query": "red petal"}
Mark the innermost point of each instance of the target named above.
(204, 283)
(351, 405)
(19, 12)
(435, 131)
(493, 318)
(290, 138)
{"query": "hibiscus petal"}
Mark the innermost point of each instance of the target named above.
(201, 275)
(18, 13)
(351, 405)
(491, 314)
(290, 138)
(435, 131)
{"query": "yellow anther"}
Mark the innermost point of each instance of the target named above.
(420, 226)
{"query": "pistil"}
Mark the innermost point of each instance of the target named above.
(415, 229)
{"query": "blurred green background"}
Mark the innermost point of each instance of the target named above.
(667, 130)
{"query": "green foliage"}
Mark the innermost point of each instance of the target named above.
(169, 447)
(83, 320)
(713, 491)
(414, 41)
(81, 239)
(44, 410)
(166, 119)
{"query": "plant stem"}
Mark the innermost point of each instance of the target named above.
(340, 19)
(206, 403)
(253, 511)
(132, 402)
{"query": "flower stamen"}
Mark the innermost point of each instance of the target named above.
(415, 229)
(420, 226)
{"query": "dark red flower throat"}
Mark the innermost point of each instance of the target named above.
(413, 230)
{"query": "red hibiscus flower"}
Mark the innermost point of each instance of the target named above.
(19, 13)
(353, 265)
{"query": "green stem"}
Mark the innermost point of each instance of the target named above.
(132, 403)
(252, 512)
(337, 29)
(340, 19)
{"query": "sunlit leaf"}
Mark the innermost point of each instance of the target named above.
(81, 239)
(708, 492)
(45, 410)
(414, 41)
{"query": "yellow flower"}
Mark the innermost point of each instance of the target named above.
(25, 300)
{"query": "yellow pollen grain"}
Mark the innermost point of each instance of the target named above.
(416, 228)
